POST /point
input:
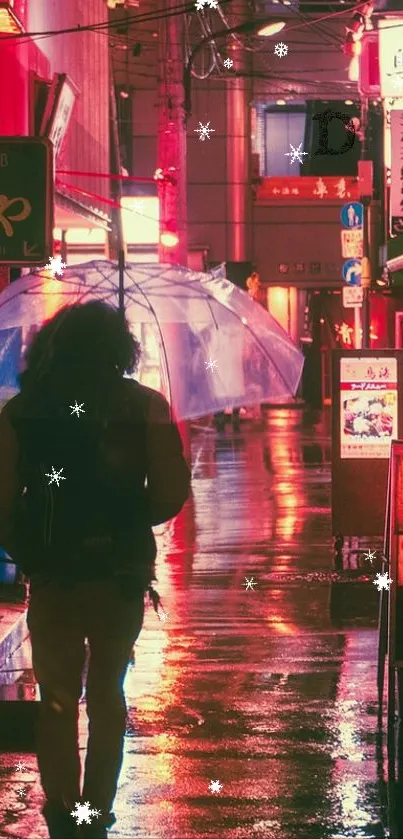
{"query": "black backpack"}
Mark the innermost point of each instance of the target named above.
(83, 505)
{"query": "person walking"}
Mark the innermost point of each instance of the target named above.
(89, 461)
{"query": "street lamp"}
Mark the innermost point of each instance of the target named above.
(264, 28)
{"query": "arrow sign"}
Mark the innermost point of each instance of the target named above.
(30, 251)
(351, 272)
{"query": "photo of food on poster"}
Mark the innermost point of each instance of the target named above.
(368, 407)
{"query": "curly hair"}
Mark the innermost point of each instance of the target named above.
(84, 340)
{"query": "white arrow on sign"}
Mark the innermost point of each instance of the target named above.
(30, 250)
(353, 269)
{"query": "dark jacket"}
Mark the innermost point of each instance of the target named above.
(145, 457)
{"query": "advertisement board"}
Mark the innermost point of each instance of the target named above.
(367, 414)
(368, 407)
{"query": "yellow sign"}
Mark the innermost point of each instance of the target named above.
(5, 204)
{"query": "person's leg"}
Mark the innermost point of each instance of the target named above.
(114, 621)
(58, 657)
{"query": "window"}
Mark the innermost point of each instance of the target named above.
(281, 128)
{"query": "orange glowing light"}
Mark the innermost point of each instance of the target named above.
(168, 239)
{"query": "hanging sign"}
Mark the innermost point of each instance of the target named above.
(391, 57)
(396, 189)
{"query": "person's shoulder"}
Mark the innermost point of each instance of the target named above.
(13, 406)
(158, 405)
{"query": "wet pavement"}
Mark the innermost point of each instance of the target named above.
(270, 690)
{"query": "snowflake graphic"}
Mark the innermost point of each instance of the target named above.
(21, 767)
(249, 584)
(204, 131)
(215, 786)
(163, 616)
(383, 581)
(21, 792)
(77, 409)
(280, 49)
(295, 154)
(200, 4)
(83, 813)
(320, 188)
(55, 265)
(369, 556)
(54, 476)
(210, 364)
(228, 63)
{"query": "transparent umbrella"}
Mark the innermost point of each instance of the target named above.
(206, 344)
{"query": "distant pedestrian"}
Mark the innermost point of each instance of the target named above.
(84, 538)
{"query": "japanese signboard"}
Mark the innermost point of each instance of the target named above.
(352, 296)
(390, 56)
(59, 108)
(351, 243)
(307, 188)
(26, 200)
(396, 190)
(368, 407)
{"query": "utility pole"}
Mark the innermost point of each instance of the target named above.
(366, 199)
(116, 240)
(172, 137)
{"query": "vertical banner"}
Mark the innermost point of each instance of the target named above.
(391, 57)
(396, 189)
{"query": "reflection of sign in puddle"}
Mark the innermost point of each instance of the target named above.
(5, 204)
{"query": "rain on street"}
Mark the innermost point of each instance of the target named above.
(270, 689)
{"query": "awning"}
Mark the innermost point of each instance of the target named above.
(69, 212)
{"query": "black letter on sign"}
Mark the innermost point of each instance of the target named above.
(324, 120)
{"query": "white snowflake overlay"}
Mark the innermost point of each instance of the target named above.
(200, 4)
(228, 63)
(54, 476)
(77, 409)
(204, 131)
(281, 50)
(21, 767)
(249, 583)
(215, 786)
(55, 266)
(383, 581)
(295, 154)
(210, 364)
(83, 813)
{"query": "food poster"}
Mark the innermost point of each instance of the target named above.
(368, 407)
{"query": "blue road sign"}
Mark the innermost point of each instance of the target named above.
(351, 272)
(352, 214)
